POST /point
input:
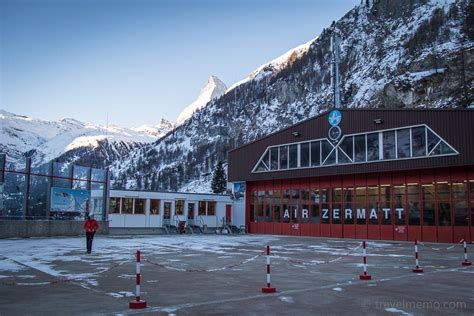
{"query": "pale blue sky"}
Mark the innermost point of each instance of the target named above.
(141, 60)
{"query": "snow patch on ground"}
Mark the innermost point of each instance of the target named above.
(337, 289)
(9, 265)
(394, 310)
(286, 299)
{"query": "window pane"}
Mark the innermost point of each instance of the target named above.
(277, 206)
(385, 203)
(336, 206)
(268, 205)
(361, 206)
(372, 146)
(127, 206)
(413, 199)
(403, 143)
(305, 206)
(315, 207)
(359, 147)
(315, 154)
(342, 157)
(347, 147)
(260, 201)
(261, 166)
(399, 202)
(304, 155)
(139, 206)
(373, 205)
(179, 207)
(295, 197)
(445, 149)
(444, 214)
(274, 158)
(428, 196)
(154, 207)
(432, 140)
(443, 191)
(202, 206)
(389, 145)
(348, 206)
(328, 155)
(293, 161)
(286, 206)
(428, 213)
(324, 206)
(167, 211)
(461, 217)
(114, 205)
(283, 157)
(459, 191)
(211, 208)
(418, 139)
(428, 192)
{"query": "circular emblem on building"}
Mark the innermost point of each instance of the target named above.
(334, 133)
(334, 117)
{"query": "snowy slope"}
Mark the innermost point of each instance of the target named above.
(214, 88)
(156, 131)
(48, 140)
(275, 65)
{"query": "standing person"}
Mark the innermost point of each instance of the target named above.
(90, 227)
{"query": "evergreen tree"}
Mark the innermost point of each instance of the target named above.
(219, 179)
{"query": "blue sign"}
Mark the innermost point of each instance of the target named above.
(69, 200)
(334, 117)
(239, 190)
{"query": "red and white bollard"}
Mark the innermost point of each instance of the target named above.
(417, 269)
(137, 303)
(466, 262)
(268, 289)
(365, 276)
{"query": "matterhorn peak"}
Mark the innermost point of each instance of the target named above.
(214, 88)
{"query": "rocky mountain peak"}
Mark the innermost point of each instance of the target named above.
(213, 89)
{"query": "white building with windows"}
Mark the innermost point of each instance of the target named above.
(143, 209)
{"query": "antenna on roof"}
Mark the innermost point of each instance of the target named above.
(107, 129)
(335, 60)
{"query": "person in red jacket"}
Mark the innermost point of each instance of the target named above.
(90, 227)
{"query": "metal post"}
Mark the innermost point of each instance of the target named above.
(417, 267)
(106, 195)
(466, 261)
(137, 303)
(3, 160)
(365, 276)
(268, 289)
(26, 192)
(50, 186)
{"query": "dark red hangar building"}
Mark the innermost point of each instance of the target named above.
(354, 173)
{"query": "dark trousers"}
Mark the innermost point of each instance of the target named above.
(89, 238)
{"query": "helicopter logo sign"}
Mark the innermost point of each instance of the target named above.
(334, 117)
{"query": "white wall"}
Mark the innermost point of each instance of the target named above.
(147, 220)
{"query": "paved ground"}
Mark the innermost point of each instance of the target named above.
(215, 275)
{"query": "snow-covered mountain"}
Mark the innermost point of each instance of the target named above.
(213, 89)
(67, 140)
(156, 131)
(394, 54)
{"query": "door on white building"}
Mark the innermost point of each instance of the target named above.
(191, 215)
(167, 213)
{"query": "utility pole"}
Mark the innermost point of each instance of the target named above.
(335, 60)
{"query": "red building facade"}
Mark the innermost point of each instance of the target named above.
(385, 174)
